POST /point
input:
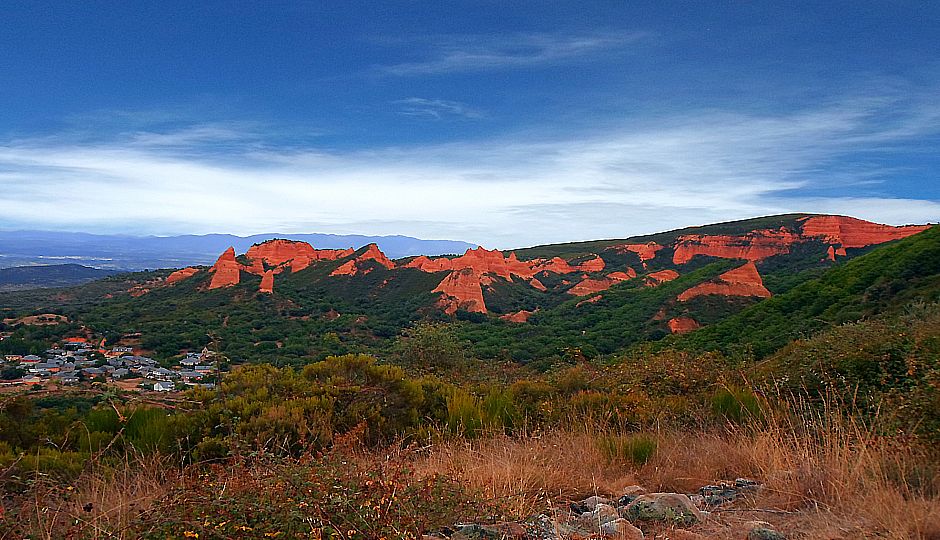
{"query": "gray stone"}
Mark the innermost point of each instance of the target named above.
(761, 530)
(668, 507)
(591, 502)
(620, 529)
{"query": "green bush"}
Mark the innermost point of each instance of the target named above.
(636, 448)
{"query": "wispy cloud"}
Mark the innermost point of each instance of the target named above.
(435, 109)
(449, 54)
(508, 191)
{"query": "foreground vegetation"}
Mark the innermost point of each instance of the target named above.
(827, 394)
(824, 477)
(841, 430)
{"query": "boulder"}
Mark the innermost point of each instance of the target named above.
(591, 502)
(667, 507)
(600, 514)
(620, 529)
(761, 530)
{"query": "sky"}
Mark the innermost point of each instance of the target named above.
(505, 124)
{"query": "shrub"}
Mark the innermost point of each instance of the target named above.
(636, 448)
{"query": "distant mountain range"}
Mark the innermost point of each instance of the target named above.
(43, 276)
(123, 252)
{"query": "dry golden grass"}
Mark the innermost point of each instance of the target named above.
(824, 474)
(525, 473)
(102, 503)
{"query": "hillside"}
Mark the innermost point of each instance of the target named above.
(886, 279)
(533, 387)
(287, 302)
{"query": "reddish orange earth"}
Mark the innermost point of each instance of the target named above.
(742, 281)
(682, 325)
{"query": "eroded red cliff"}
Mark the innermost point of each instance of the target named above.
(180, 275)
(847, 232)
(592, 265)
(682, 325)
(753, 246)
(267, 282)
(594, 285)
(646, 251)
(298, 255)
(662, 276)
(520, 316)
(482, 264)
(839, 231)
(226, 271)
(742, 281)
(462, 289)
(355, 266)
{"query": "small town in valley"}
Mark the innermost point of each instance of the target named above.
(85, 361)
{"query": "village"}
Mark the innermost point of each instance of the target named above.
(78, 361)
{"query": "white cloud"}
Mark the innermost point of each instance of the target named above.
(507, 192)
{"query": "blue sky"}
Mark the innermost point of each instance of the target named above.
(500, 123)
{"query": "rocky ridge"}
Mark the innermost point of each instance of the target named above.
(466, 279)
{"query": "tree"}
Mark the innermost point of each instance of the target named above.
(429, 345)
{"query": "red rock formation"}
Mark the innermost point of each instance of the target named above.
(833, 252)
(742, 281)
(267, 282)
(520, 316)
(180, 275)
(555, 265)
(461, 289)
(681, 325)
(839, 231)
(593, 265)
(645, 251)
(482, 264)
(225, 271)
(267, 259)
(623, 276)
(590, 286)
(277, 252)
(284, 253)
(372, 253)
(590, 300)
(753, 246)
(348, 268)
(485, 261)
(849, 232)
(662, 276)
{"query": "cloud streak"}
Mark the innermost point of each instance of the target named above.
(435, 109)
(452, 54)
(506, 192)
